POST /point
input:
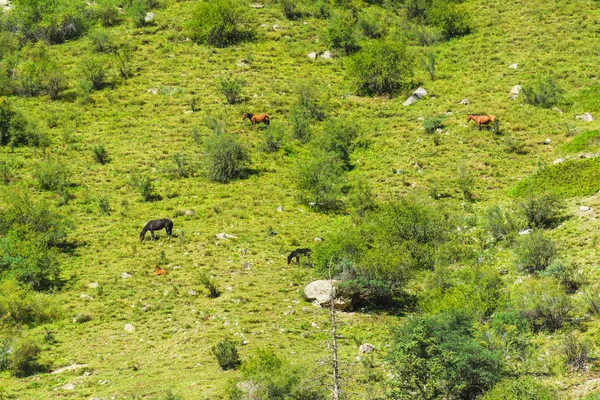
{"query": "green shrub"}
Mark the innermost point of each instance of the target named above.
(575, 352)
(438, 357)
(373, 23)
(543, 211)
(124, 55)
(107, 12)
(542, 302)
(52, 175)
(509, 334)
(225, 158)
(24, 360)
(18, 305)
(6, 349)
(100, 154)
(382, 68)
(543, 92)
(39, 74)
(273, 138)
(342, 251)
(428, 61)
(564, 273)
(94, 70)
(220, 23)
(101, 40)
(501, 224)
(308, 97)
(210, 285)
(432, 124)
(289, 9)
(535, 252)
(416, 9)
(568, 179)
(320, 180)
(466, 183)
(337, 138)
(144, 185)
(84, 90)
(104, 205)
(300, 119)
(17, 131)
(136, 10)
(452, 20)
(276, 378)
(232, 89)
(341, 32)
(226, 354)
(514, 145)
(170, 395)
(521, 388)
(7, 171)
(182, 167)
(361, 199)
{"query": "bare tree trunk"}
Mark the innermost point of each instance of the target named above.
(336, 383)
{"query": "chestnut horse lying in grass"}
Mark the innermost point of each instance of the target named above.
(256, 118)
(481, 119)
(159, 271)
(156, 225)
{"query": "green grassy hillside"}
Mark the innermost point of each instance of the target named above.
(173, 93)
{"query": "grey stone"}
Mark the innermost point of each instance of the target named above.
(152, 90)
(225, 236)
(319, 293)
(585, 208)
(125, 275)
(558, 110)
(93, 285)
(86, 297)
(464, 102)
(129, 328)
(587, 117)
(416, 96)
(191, 292)
(525, 231)
(279, 209)
(149, 17)
(513, 66)
(326, 54)
(68, 386)
(366, 348)
(312, 55)
(558, 161)
(514, 92)
(71, 367)
(318, 239)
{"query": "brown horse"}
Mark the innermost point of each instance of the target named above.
(256, 118)
(481, 119)
(159, 271)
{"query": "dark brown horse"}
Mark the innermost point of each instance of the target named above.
(297, 253)
(156, 225)
(256, 118)
(481, 119)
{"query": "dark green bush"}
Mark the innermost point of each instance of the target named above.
(210, 285)
(343, 251)
(226, 354)
(337, 138)
(432, 124)
(320, 180)
(452, 20)
(182, 167)
(273, 138)
(308, 97)
(18, 305)
(543, 92)
(361, 199)
(509, 334)
(416, 9)
(220, 23)
(373, 23)
(521, 388)
(501, 224)
(17, 131)
(382, 68)
(38, 73)
(52, 175)
(575, 352)
(290, 9)
(232, 89)
(124, 55)
(107, 12)
(225, 158)
(300, 119)
(24, 360)
(144, 185)
(544, 211)
(100, 154)
(535, 252)
(101, 40)
(437, 357)
(94, 70)
(136, 10)
(341, 32)
(565, 274)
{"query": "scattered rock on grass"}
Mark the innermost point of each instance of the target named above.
(319, 293)
(587, 117)
(125, 275)
(152, 90)
(416, 96)
(366, 348)
(129, 328)
(326, 54)
(558, 110)
(225, 236)
(525, 231)
(513, 66)
(71, 367)
(514, 92)
(312, 55)
(558, 161)
(93, 285)
(256, 5)
(585, 208)
(68, 386)
(464, 102)
(149, 17)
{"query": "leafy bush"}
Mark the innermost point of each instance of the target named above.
(145, 187)
(564, 273)
(226, 354)
(428, 61)
(226, 159)
(361, 199)
(101, 40)
(501, 224)
(535, 252)
(210, 285)
(300, 119)
(542, 302)
(232, 89)
(107, 12)
(438, 357)
(543, 211)
(373, 23)
(274, 378)
(341, 32)
(182, 167)
(466, 183)
(17, 131)
(382, 68)
(136, 10)
(543, 92)
(273, 138)
(337, 138)
(432, 124)
(100, 154)
(521, 388)
(220, 23)
(290, 10)
(39, 74)
(509, 334)
(52, 175)
(450, 19)
(573, 178)
(343, 251)
(308, 95)
(320, 181)
(124, 55)
(94, 70)
(416, 9)
(20, 306)
(575, 352)
(514, 145)
(24, 360)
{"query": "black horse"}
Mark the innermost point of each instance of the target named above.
(297, 253)
(156, 225)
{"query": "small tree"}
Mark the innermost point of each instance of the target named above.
(543, 211)
(220, 23)
(232, 89)
(341, 32)
(225, 158)
(320, 181)
(226, 354)
(338, 137)
(543, 92)
(100, 154)
(535, 252)
(382, 68)
(94, 70)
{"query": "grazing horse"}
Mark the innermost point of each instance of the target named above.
(256, 118)
(481, 119)
(156, 225)
(297, 253)
(159, 271)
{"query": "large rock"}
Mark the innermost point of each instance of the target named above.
(319, 293)
(587, 117)
(366, 348)
(416, 96)
(514, 92)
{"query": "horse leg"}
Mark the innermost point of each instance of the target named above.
(152, 233)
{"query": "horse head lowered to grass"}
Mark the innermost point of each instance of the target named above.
(481, 119)
(256, 118)
(156, 225)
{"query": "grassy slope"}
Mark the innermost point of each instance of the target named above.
(143, 131)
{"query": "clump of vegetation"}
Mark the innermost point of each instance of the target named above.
(300, 120)
(273, 138)
(337, 138)
(543, 92)
(341, 32)
(226, 354)
(521, 388)
(136, 10)
(144, 185)
(466, 183)
(225, 158)
(210, 285)
(94, 71)
(428, 60)
(273, 377)
(575, 352)
(182, 167)
(308, 98)
(232, 89)
(433, 124)
(320, 181)
(290, 9)
(101, 40)
(587, 141)
(100, 154)
(16, 131)
(438, 356)
(382, 68)
(446, 16)
(543, 211)
(502, 224)
(535, 252)
(107, 13)
(373, 23)
(24, 360)
(220, 23)
(39, 73)
(19, 305)
(52, 175)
